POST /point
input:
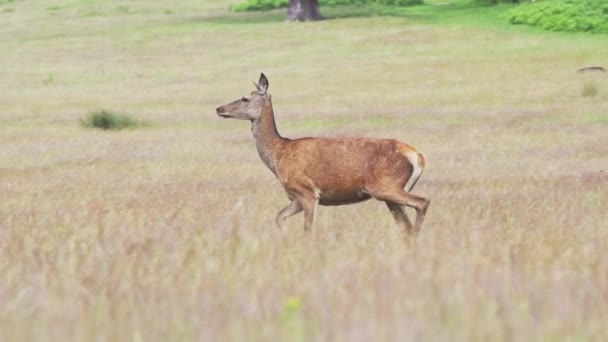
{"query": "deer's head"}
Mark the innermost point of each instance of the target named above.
(249, 107)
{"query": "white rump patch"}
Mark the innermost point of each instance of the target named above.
(416, 172)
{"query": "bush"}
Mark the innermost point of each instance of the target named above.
(589, 90)
(262, 5)
(496, 2)
(563, 15)
(107, 120)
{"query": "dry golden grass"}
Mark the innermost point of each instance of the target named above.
(166, 233)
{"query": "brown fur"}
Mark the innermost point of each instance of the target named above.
(330, 171)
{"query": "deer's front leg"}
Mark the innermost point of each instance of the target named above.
(304, 193)
(309, 203)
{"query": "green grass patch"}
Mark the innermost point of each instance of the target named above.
(123, 9)
(264, 5)
(56, 8)
(375, 122)
(495, 2)
(453, 12)
(595, 118)
(430, 11)
(347, 122)
(590, 90)
(108, 120)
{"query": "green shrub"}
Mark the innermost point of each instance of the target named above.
(495, 2)
(589, 90)
(259, 5)
(563, 15)
(107, 120)
(262, 5)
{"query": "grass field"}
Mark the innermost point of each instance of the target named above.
(167, 232)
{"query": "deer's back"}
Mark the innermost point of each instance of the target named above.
(340, 169)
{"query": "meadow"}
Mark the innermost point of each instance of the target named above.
(166, 232)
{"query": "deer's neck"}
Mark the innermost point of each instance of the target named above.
(268, 141)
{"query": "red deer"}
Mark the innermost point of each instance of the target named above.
(334, 171)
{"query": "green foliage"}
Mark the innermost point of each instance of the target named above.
(563, 15)
(259, 5)
(108, 120)
(495, 2)
(262, 5)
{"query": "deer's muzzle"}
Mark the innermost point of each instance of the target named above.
(221, 112)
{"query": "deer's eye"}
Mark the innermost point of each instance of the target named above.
(245, 99)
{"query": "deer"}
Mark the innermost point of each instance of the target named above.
(332, 171)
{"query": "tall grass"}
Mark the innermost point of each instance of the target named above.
(168, 234)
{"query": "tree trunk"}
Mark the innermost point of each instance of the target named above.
(303, 10)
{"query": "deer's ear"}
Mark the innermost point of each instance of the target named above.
(262, 84)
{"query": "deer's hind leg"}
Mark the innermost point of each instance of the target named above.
(397, 195)
(400, 216)
(293, 208)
